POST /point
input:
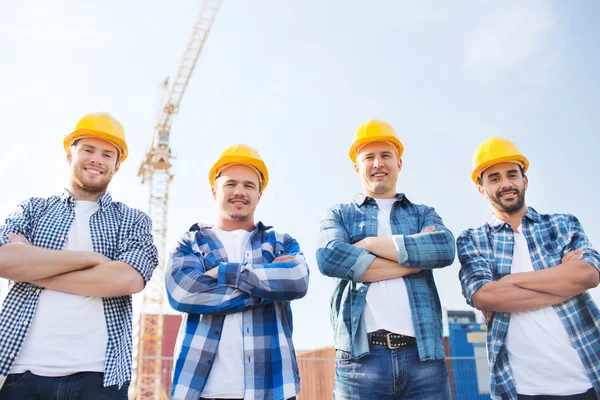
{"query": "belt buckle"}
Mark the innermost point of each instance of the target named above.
(389, 343)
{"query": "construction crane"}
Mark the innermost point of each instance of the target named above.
(156, 170)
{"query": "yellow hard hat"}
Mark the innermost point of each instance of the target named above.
(374, 131)
(100, 125)
(493, 151)
(240, 154)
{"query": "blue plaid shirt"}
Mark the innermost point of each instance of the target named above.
(349, 223)
(259, 288)
(118, 232)
(485, 255)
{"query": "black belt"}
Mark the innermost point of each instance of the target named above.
(391, 340)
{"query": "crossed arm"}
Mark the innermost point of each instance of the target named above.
(194, 285)
(375, 259)
(84, 273)
(525, 291)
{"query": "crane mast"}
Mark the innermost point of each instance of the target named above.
(156, 170)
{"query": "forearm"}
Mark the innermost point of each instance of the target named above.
(112, 279)
(567, 279)
(382, 247)
(503, 296)
(26, 263)
(194, 292)
(382, 269)
(429, 250)
(278, 281)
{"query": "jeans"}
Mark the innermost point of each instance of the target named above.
(390, 374)
(80, 386)
(589, 395)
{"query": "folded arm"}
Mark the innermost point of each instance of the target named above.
(111, 279)
(284, 279)
(22, 262)
(190, 289)
(484, 292)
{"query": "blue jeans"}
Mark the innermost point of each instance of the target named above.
(390, 374)
(80, 386)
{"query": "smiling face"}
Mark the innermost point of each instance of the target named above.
(504, 185)
(93, 163)
(236, 192)
(377, 164)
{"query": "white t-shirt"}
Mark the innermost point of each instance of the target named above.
(540, 354)
(387, 306)
(68, 333)
(226, 378)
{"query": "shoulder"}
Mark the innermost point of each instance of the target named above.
(129, 214)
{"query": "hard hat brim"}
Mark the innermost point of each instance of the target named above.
(386, 138)
(516, 158)
(83, 133)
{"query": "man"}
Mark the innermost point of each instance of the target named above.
(385, 309)
(529, 273)
(234, 282)
(75, 260)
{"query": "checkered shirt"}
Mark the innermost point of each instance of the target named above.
(485, 255)
(348, 223)
(118, 232)
(259, 288)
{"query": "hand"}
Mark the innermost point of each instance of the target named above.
(284, 258)
(18, 238)
(428, 229)
(573, 255)
(213, 273)
(487, 315)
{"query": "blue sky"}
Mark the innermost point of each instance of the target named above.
(294, 80)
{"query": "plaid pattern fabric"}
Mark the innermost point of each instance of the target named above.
(257, 287)
(349, 223)
(485, 255)
(118, 232)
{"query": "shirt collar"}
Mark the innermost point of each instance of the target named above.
(496, 223)
(68, 200)
(360, 199)
(199, 226)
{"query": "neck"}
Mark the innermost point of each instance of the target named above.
(386, 195)
(83, 195)
(513, 219)
(233, 225)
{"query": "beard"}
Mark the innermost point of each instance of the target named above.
(509, 208)
(238, 217)
(80, 181)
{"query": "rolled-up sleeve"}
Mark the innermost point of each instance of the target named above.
(427, 250)
(138, 248)
(475, 270)
(336, 257)
(580, 241)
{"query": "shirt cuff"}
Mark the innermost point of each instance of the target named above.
(362, 263)
(400, 249)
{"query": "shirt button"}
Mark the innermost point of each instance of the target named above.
(25, 323)
(374, 217)
(38, 290)
(362, 290)
(354, 319)
(509, 237)
(209, 361)
(506, 315)
(216, 332)
(12, 355)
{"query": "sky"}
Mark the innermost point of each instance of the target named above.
(294, 80)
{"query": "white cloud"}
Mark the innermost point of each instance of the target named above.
(511, 36)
